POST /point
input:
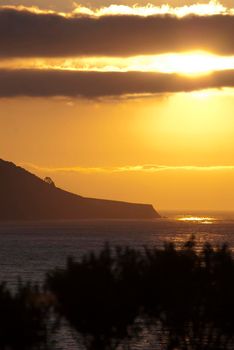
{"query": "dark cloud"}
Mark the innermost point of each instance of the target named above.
(47, 83)
(58, 5)
(24, 34)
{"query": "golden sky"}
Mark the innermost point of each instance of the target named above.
(144, 119)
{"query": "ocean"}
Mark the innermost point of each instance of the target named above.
(29, 249)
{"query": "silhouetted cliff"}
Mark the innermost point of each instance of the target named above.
(24, 196)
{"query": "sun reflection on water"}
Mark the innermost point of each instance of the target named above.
(197, 219)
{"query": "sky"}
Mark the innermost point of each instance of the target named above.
(122, 101)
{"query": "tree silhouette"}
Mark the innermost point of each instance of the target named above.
(48, 180)
(24, 317)
(95, 298)
(184, 299)
(183, 296)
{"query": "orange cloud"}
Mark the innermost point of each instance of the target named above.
(145, 168)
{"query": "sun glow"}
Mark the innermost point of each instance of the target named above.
(194, 63)
(188, 63)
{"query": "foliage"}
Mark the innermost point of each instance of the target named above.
(48, 180)
(24, 317)
(184, 297)
(188, 296)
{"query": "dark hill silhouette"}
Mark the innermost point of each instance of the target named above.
(24, 196)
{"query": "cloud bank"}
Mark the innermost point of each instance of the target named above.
(48, 83)
(30, 34)
(145, 168)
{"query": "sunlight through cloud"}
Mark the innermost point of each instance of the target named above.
(188, 63)
(211, 8)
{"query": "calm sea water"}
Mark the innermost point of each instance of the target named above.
(28, 250)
